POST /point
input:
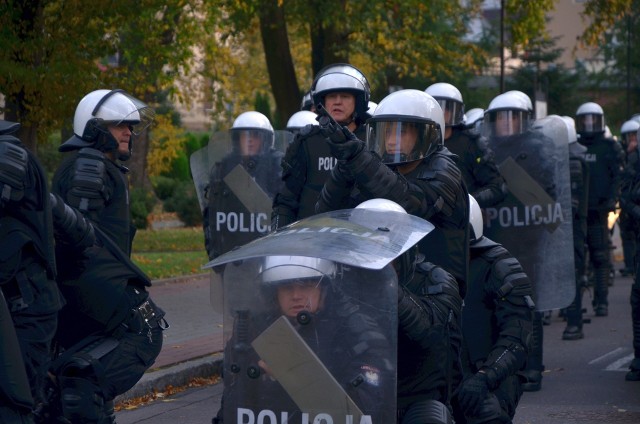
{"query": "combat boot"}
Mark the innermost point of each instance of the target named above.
(601, 291)
(572, 332)
(634, 373)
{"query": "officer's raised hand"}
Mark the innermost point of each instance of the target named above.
(343, 143)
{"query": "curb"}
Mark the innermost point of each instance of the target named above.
(179, 279)
(174, 375)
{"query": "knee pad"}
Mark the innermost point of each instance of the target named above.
(81, 400)
(427, 412)
(490, 412)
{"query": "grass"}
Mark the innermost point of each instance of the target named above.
(170, 252)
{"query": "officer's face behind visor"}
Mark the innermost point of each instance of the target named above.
(251, 142)
(507, 122)
(300, 295)
(399, 141)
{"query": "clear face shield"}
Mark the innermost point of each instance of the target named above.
(453, 111)
(590, 123)
(399, 142)
(138, 115)
(505, 123)
(630, 141)
(252, 142)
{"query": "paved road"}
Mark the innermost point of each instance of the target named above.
(583, 382)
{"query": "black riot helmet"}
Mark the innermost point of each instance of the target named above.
(99, 110)
(342, 77)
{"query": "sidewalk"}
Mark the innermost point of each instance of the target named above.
(192, 346)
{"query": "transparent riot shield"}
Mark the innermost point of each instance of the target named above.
(310, 319)
(534, 220)
(309, 341)
(235, 191)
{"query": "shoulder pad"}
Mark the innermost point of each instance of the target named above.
(14, 163)
(88, 191)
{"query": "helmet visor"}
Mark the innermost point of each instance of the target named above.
(399, 142)
(590, 123)
(506, 122)
(453, 111)
(122, 108)
(252, 142)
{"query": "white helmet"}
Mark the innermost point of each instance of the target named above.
(300, 120)
(381, 205)
(372, 108)
(450, 99)
(473, 120)
(253, 121)
(342, 77)
(571, 128)
(508, 114)
(103, 108)
(629, 129)
(277, 270)
(590, 119)
(401, 111)
(475, 219)
(524, 97)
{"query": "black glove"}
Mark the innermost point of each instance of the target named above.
(347, 149)
(472, 393)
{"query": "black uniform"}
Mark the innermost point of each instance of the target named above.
(434, 190)
(579, 174)
(306, 166)
(496, 328)
(27, 266)
(630, 203)
(479, 171)
(344, 338)
(109, 318)
(429, 339)
(266, 171)
(604, 157)
(629, 227)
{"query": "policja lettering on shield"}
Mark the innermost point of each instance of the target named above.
(240, 222)
(525, 216)
(247, 416)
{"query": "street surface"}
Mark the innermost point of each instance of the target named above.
(583, 382)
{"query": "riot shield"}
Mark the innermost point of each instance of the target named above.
(330, 361)
(324, 357)
(235, 192)
(534, 220)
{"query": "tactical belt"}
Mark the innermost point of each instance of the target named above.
(145, 316)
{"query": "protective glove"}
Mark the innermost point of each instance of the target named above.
(347, 149)
(472, 393)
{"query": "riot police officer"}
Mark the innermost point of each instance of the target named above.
(344, 92)
(27, 266)
(628, 227)
(307, 292)
(110, 329)
(474, 158)
(630, 204)
(604, 157)
(507, 125)
(496, 328)
(252, 147)
(406, 161)
(429, 334)
(579, 174)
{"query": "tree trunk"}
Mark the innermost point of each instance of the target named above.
(282, 75)
(139, 178)
(329, 43)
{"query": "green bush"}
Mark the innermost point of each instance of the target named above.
(184, 202)
(164, 186)
(141, 204)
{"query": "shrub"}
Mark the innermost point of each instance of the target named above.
(141, 204)
(164, 186)
(184, 202)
